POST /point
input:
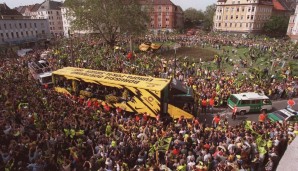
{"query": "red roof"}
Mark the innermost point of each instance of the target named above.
(277, 5)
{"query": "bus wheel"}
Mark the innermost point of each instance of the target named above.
(242, 112)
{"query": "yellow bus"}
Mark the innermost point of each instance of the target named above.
(132, 93)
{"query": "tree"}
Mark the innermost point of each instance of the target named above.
(276, 26)
(208, 15)
(109, 18)
(192, 17)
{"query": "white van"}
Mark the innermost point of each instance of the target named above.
(41, 72)
(249, 102)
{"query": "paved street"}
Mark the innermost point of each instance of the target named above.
(277, 105)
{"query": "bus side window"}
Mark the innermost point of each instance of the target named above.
(266, 101)
(256, 102)
(245, 102)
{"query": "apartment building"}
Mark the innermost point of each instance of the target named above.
(51, 10)
(164, 15)
(247, 16)
(242, 16)
(15, 29)
(292, 31)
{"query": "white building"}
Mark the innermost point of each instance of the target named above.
(51, 10)
(67, 20)
(18, 31)
(293, 26)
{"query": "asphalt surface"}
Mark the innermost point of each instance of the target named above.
(227, 112)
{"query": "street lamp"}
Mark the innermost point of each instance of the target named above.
(176, 46)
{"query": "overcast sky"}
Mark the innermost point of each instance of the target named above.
(198, 4)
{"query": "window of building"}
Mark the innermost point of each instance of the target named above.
(241, 17)
(235, 24)
(35, 25)
(251, 17)
(233, 2)
(10, 26)
(7, 35)
(32, 33)
(249, 9)
(237, 9)
(227, 8)
(226, 17)
(219, 17)
(17, 33)
(36, 32)
(242, 9)
(30, 25)
(25, 25)
(12, 35)
(238, 2)
(22, 34)
(219, 24)
(230, 24)
(246, 24)
(226, 24)
(253, 9)
(236, 17)
(57, 12)
(231, 17)
(240, 24)
(248, 17)
(27, 33)
(43, 32)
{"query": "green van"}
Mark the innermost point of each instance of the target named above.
(249, 102)
(289, 115)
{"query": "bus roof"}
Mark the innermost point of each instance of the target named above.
(250, 96)
(98, 76)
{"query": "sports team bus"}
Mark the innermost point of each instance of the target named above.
(132, 93)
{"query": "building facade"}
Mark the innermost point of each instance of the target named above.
(164, 15)
(242, 16)
(19, 31)
(51, 10)
(292, 31)
(248, 16)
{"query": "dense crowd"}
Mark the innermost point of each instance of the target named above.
(44, 130)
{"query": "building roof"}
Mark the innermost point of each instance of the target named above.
(277, 5)
(156, 2)
(50, 5)
(34, 8)
(288, 5)
(5, 10)
(21, 9)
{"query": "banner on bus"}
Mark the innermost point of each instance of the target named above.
(87, 75)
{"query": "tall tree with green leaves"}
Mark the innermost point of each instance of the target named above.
(209, 14)
(276, 26)
(192, 17)
(109, 18)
